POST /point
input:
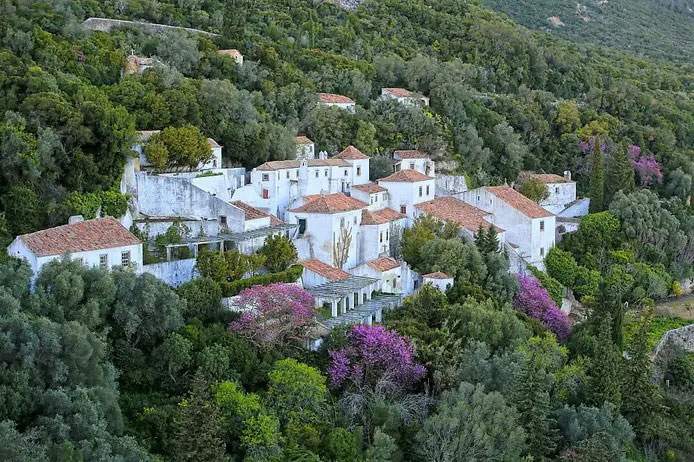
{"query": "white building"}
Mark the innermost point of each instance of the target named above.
(413, 159)
(102, 242)
(404, 96)
(529, 229)
(387, 270)
(561, 190)
(338, 101)
(377, 229)
(468, 218)
(257, 227)
(233, 54)
(143, 137)
(440, 280)
(305, 148)
(406, 189)
(328, 229)
(371, 193)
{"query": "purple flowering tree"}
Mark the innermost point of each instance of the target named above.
(647, 167)
(374, 353)
(533, 300)
(276, 314)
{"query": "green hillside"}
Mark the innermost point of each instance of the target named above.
(655, 28)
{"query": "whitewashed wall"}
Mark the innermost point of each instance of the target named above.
(174, 273)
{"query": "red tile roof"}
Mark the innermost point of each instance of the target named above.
(410, 154)
(380, 217)
(370, 188)
(301, 139)
(97, 234)
(351, 153)
(456, 211)
(406, 176)
(437, 275)
(329, 203)
(518, 201)
(384, 264)
(330, 98)
(287, 164)
(400, 92)
(329, 272)
(549, 178)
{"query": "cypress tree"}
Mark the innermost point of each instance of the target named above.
(533, 404)
(604, 367)
(620, 175)
(597, 178)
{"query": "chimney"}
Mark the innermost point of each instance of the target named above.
(75, 219)
(567, 175)
(322, 155)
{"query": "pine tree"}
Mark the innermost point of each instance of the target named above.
(533, 404)
(620, 175)
(199, 434)
(486, 240)
(597, 178)
(604, 367)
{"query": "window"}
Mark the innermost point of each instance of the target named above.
(358, 171)
(380, 236)
(420, 191)
(346, 173)
(355, 219)
(542, 225)
(371, 201)
(317, 173)
(342, 222)
(403, 209)
(326, 172)
(542, 251)
(266, 194)
(556, 190)
(302, 226)
(387, 234)
(287, 173)
(376, 198)
(214, 163)
(103, 260)
(427, 190)
(125, 258)
(266, 177)
(411, 165)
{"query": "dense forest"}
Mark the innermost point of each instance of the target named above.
(660, 29)
(114, 366)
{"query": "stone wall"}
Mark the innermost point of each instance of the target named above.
(450, 185)
(106, 25)
(682, 338)
(174, 273)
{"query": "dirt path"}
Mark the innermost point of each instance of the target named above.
(681, 308)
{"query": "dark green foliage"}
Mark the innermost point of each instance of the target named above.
(619, 176)
(553, 287)
(486, 240)
(203, 297)
(279, 252)
(605, 367)
(292, 274)
(597, 178)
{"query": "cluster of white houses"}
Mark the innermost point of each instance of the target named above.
(344, 226)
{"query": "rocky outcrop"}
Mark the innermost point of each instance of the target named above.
(106, 25)
(676, 339)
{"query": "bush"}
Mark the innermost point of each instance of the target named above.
(562, 266)
(551, 285)
(279, 253)
(229, 289)
(203, 298)
(587, 282)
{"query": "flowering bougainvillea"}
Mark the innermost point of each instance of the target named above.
(648, 169)
(533, 300)
(275, 314)
(371, 354)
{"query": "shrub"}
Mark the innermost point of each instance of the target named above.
(279, 253)
(553, 287)
(562, 266)
(292, 274)
(533, 300)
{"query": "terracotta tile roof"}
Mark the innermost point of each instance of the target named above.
(410, 154)
(351, 153)
(400, 92)
(456, 211)
(549, 178)
(330, 98)
(301, 139)
(329, 203)
(437, 275)
(97, 234)
(232, 52)
(380, 217)
(328, 163)
(518, 201)
(406, 176)
(370, 188)
(329, 272)
(384, 264)
(287, 164)
(250, 212)
(274, 221)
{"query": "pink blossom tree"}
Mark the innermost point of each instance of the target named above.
(533, 300)
(374, 353)
(648, 168)
(276, 314)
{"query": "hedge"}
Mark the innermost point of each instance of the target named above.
(291, 274)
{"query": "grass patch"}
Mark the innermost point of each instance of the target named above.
(659, 325)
